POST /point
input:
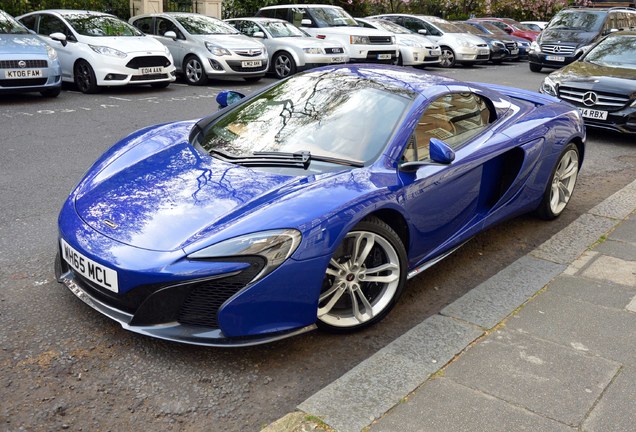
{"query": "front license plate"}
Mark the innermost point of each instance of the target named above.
(337, 59)
(150, 70)
(514, 51)
(555, 58)
(97, 273)
(384, 56)
(23, 73)
(593, 114)
(484, 52)
(251, 63)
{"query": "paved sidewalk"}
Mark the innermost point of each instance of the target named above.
(549, 343)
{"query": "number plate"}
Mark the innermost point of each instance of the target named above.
(384, 56)
(483, 52)
(514, 51)
(23, 73)
(251, 63)
(593, 114)
(96, 273)
(150, 70)
(337, 59)
(555, 58)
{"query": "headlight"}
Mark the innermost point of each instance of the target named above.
(534, 47)
(52, 53)
(274, 246)
(359, 40)
(313, 51)
(467, 44)
(108, 51)
(549, 87)
(216, 50)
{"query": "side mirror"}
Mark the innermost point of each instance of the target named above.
(508, 30)
(170, 34)
(60, 37)
(441, 152)
(228, 97)
(305, 22)
(259, 34)
(422, 31)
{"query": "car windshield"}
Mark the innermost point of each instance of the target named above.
(282, 29)
(491, 28)
(577, 20)
(329, 115)
(617, 51)
(447, 27)
(203, 25)
(10, 26)
(467, 28)
(332, 17)
(390, 27)
(101, 25)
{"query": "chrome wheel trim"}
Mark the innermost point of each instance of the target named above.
(447, 57)
(563, 181)
(194, 70)
(282, 66)
(355, 293)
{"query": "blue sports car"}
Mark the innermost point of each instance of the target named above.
(310, 203)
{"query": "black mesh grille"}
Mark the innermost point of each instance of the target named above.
(148, 61)
(13, 64)
(380, 40)
(148, 77)
(23, 82)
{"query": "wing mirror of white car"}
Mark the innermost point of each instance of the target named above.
(170, 34)
(259, 34)
(305, 22)
(440, 153)
(228, 97)
(422, 31)
(60, 37)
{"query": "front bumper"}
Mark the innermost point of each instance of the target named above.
(468, 55)
(235, 65)
(146, 69)
(51, 75)
(547, 60)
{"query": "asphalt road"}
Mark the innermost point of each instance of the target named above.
(64, 366)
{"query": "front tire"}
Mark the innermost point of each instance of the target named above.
(535, 67)
(447, 58)
(194, 72)
(561, 185)
(85, 77)
(283, 65)
(364, 279)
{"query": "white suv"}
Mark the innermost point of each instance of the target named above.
(457, 46)
(333, 23)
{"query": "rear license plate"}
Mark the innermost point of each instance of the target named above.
(555, 58)
(593, 114)
(23, 73)
(251, 63)
(96, 273)
(384, 56)
(150, 70)
(337, 59)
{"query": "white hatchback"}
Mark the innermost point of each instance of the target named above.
(97, 49)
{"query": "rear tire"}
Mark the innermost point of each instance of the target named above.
(561, 185)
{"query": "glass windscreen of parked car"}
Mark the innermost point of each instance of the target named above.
(591, 21)
(283, 29)
(101, 26)
(204, 25)
(391, 27)
(10, 26)
(493, 29)
(342, 120)
(331, 17)
(614, 52)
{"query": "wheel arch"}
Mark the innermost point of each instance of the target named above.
(291, 52)
(397, 222)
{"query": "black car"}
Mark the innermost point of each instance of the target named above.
(601, 84)
(572, 31)
(501, 47)
(523, 45)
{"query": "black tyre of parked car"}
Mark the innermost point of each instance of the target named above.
(535, 67)
(85, 77)
(283, 64)
(193, 71)
(448, 57)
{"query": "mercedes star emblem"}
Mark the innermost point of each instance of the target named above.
(590, 99)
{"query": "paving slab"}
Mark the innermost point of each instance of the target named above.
(443, 405)
(566, 245)
(493, 300)
(618, 249)
(602, 293)
(374, 386)
(548, 379)
(619, 205)
(599, 330)
(615, 411)
(616, 270)
(625, 232)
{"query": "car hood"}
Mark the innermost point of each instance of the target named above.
(306, 42)
(127, 44)
(570, 37)
(597, 77)
(467, 37)
(419, 39)
(21, 44)
(230, 41)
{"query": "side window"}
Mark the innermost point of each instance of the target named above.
(248, 28)
(50, 24)
(29, 22)
(413, 24)
(165, 25)
(144, 24)
(453, 118)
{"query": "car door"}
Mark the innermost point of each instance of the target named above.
(446, 201)
(179, 47)
(67, 52)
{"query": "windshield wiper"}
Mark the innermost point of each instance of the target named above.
(300, 159)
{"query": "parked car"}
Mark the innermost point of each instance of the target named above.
(601, 84)
(511, 27)
(537, 26)
(572, 31)
(308, 203)
(500, 48)
(290, 49)
(204, 47)
(97, 49)
(457, 47)
(522, 44)
(415, 49)
(27, 64)
(332, 23)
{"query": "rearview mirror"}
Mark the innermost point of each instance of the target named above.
(305, 22)
(60, 37)
(170, 34)
(228, 97)
(422, 31)
(441, 152)
(259, 34)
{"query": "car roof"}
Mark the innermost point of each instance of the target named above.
(301, 6)
(259, 19)
(66, 12)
